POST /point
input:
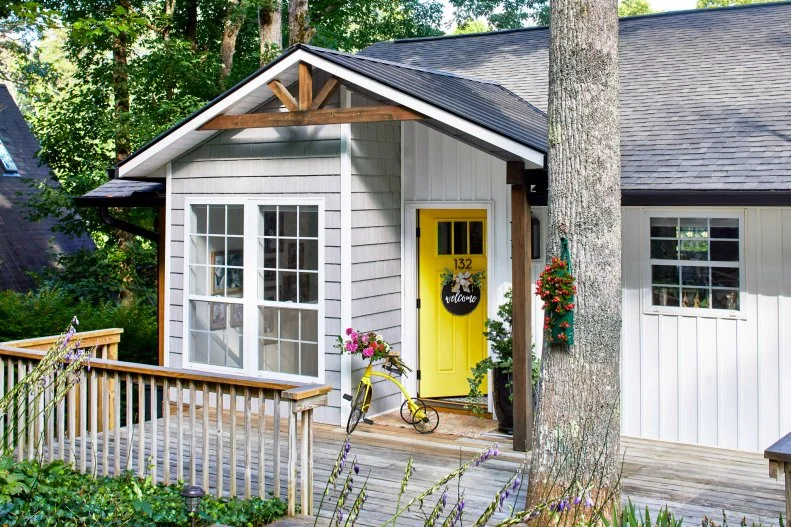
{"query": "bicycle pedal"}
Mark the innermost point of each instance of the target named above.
(368, 421)
(347, 396)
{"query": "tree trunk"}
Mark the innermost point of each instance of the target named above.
(299, 31)
(270, 31)
(191, 30)
(231, 26)
(121, 92)
(576, 435)
(170, 7)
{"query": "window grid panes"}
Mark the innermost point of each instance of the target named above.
(695, 262)
(288, 288)
(216, 288)
(460, 238)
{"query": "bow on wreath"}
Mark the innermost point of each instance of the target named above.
(556, 288)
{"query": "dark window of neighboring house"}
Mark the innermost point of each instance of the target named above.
(9, 167)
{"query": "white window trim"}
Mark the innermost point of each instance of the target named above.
(251, 301)
(648, 307)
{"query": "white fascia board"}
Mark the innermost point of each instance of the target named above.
(526, 153)
(210, 113)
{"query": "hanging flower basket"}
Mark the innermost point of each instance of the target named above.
(556, 288)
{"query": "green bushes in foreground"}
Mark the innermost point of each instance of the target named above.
(48, 311)
(56, 495)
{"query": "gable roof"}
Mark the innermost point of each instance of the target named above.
(705, 95)
(477, 111)
(24, 245)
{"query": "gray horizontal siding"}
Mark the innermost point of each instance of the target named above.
(298, 161)
(376, 242)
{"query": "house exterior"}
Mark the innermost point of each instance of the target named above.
(292, 217)
(24, 245)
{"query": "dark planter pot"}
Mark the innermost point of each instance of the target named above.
(503, 406)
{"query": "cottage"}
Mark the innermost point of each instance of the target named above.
(330, 190)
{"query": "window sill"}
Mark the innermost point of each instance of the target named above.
(695, 312)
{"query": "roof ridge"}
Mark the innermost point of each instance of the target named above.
(662, 14)
(404, 66)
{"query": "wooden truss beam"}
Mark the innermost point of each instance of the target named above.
(282, 93)
(325, 93)
(360, 114)
(305, 86)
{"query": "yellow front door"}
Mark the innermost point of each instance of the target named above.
(452, 314)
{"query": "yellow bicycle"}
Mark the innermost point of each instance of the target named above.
(423, 418)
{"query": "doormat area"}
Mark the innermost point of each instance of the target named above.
(449, 423)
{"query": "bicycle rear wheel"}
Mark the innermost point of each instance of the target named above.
(426, 420)
(358, 404)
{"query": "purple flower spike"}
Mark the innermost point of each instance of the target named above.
(588, 501)
(356, 468)
(577, 500)
(517, 482)
(444, 498)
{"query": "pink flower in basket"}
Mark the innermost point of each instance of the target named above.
(368, 352)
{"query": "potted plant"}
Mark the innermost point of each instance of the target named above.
(501, 365)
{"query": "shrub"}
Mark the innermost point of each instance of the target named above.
(48, 311)
(55, 494)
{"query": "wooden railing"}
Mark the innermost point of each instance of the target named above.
(172, 425)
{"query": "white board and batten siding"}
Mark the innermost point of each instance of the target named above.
(284, 162)
(376, 242)
(439, 170)
(712, 380)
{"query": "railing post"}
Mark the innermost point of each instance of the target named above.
(292, 459)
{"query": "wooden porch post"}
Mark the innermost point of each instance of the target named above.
(522, 302)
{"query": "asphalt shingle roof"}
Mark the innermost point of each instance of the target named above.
(484, 102)
(705, 95)
(24, 245)
(125, 193)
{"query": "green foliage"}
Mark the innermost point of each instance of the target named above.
(703, 4)
(472, 26)
(630, 516)
(55, 494)
(48, 311)
(351, 25)
(502, 14)
(498, 333)
(634, 8)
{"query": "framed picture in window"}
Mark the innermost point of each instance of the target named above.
(237, 315)
(219, 316)
(225, 280)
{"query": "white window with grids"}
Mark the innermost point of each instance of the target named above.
(695, 262)
(253, 275)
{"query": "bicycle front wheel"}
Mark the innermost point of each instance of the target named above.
(358, 404)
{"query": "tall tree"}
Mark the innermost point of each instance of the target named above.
(270, 30)
(234, 19)
(576, 433)
(299, 30)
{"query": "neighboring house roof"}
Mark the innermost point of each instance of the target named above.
(480, 112)
(24, 245)
(705, 95)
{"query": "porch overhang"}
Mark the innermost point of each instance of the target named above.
(458, 106)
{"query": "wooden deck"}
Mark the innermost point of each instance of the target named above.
(693, 481)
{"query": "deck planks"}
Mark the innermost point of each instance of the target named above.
(693, 481)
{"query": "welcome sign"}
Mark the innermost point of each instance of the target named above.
(460, 301)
